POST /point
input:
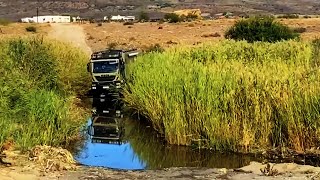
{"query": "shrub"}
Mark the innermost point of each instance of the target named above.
(172, 17)
(92, 20)
(154, 48)
(260, 29)
(211, 35)
(191, 25)
(31, 29)
(299, 30)
(128, 23)
(192, 17)
(143, 17)
(112, 45)
(99, 24)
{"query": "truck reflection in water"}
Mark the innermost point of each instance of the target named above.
(108, 130)
(105, 146)
(119, 142)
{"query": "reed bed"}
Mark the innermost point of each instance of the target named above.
(238, 96)
(38, 89)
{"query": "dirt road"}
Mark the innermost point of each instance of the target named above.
(70, 33)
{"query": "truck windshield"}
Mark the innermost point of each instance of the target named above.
(105, 67)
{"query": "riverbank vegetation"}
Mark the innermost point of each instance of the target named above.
(39, 84)
(237, 96)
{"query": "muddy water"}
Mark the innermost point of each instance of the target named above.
(120, 142)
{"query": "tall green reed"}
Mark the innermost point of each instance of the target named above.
(38, 91)
(239, 96)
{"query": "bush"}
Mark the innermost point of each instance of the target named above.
(31, 29)
(299, 30)
(112, 45)
(128, 23)
(260, 29)
(192, 17)
(143, 17)
(154, 48)
(172, 17)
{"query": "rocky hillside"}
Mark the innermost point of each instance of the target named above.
(98, 8)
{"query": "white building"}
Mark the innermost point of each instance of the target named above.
(27, 20)
(120, 18)
(47, 19)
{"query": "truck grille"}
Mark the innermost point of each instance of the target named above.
(106, 78)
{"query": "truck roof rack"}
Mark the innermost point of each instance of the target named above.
(107, 54)
(113, 53)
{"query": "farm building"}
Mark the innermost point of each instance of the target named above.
(120, 18)
(47, 19)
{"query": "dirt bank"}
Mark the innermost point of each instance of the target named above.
(283, 171)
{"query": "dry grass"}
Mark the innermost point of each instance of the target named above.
(52, 159)
(14, 29)
(312, 26)
(146, 34)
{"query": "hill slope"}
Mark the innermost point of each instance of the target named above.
(98, 8)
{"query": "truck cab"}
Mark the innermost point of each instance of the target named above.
(107, 69)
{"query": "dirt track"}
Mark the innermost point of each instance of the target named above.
(70, 33)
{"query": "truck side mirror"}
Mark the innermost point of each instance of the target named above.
(88, 65)
(90, 130)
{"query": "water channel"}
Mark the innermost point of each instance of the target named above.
(120, 142)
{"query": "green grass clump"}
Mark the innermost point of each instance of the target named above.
(4, 22)
(260, 29)
(240, 96)
(39, 81)
(31, 29)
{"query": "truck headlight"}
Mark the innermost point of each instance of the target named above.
(93, 87)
